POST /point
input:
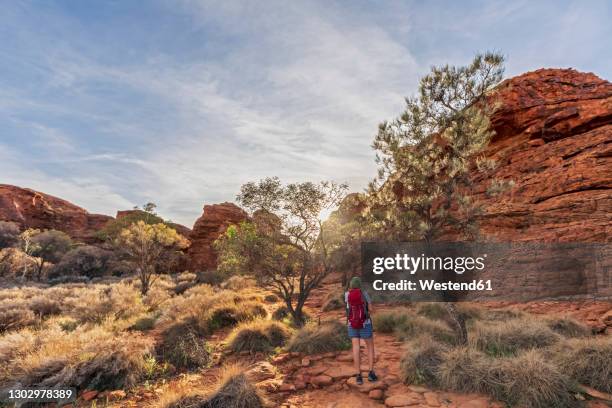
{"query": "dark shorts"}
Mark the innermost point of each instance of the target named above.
(364, 333)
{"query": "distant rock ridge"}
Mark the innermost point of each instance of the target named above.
(33, 209)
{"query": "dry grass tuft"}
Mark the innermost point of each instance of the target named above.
(567, 327)
(588, 361)
(234, 391)
(507, 338)
(238, 283)
(314, 338)
(420, 364)
(333, 301)
(184, 347)
(258, 335)
(95, 358)
(386, 322)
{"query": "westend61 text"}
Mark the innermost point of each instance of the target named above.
(432, 285)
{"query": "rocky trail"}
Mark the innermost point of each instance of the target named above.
(295, 380)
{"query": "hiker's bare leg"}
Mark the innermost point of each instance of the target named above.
(370, 345)
(356, 357)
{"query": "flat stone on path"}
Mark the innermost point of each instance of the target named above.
(367, 386)
(402, 400)
(432, 399)
(340, 371)
(477, 403)
(321, 380)
(376, 394)
(419, 389)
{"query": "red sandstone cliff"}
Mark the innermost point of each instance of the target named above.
(554, 140)
(213, 222)
(32, 209)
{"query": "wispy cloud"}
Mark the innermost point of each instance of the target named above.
(184, 102)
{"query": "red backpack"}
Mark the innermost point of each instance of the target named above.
(356, 309)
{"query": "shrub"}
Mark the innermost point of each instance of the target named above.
(181, 287)
(414, 326)
(421, 362)
(49, 246)
(94, 304)
(86, 260)
(183, 346)
(567, 327)
(13, 319)
(507, 338)
(588, 361)
(503, 314)
(386, 322)
(271, 298)
(16, 263)
(280, 313)
(333, 301)
(259, 335)
(528, 380)
(144, 323)
(313, 338)
(235, 391)
(95, 358)
(9, 234)
(44, 306)
(230, 314)
(462, 369)
(432, 310)
(238, 283)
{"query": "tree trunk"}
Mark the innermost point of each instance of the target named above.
(458, 322)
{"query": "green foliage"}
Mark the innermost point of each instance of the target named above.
(113, 228)
(148, 247)
(49, 246)
(9, 234)
(424, 154)
(85, 260)
(285, 245)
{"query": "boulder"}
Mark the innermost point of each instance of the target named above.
(213, 222)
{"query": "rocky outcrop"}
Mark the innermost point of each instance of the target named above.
(554, 141)
(32, 209)
(213, 222)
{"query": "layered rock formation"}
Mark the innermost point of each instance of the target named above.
(213, 222)
(554, 140)
(32, 209)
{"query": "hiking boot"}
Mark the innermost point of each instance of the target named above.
(372, 376)
(359, 379)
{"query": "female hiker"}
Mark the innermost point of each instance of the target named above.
(358, 309)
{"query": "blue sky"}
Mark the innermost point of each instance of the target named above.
(111, 104)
